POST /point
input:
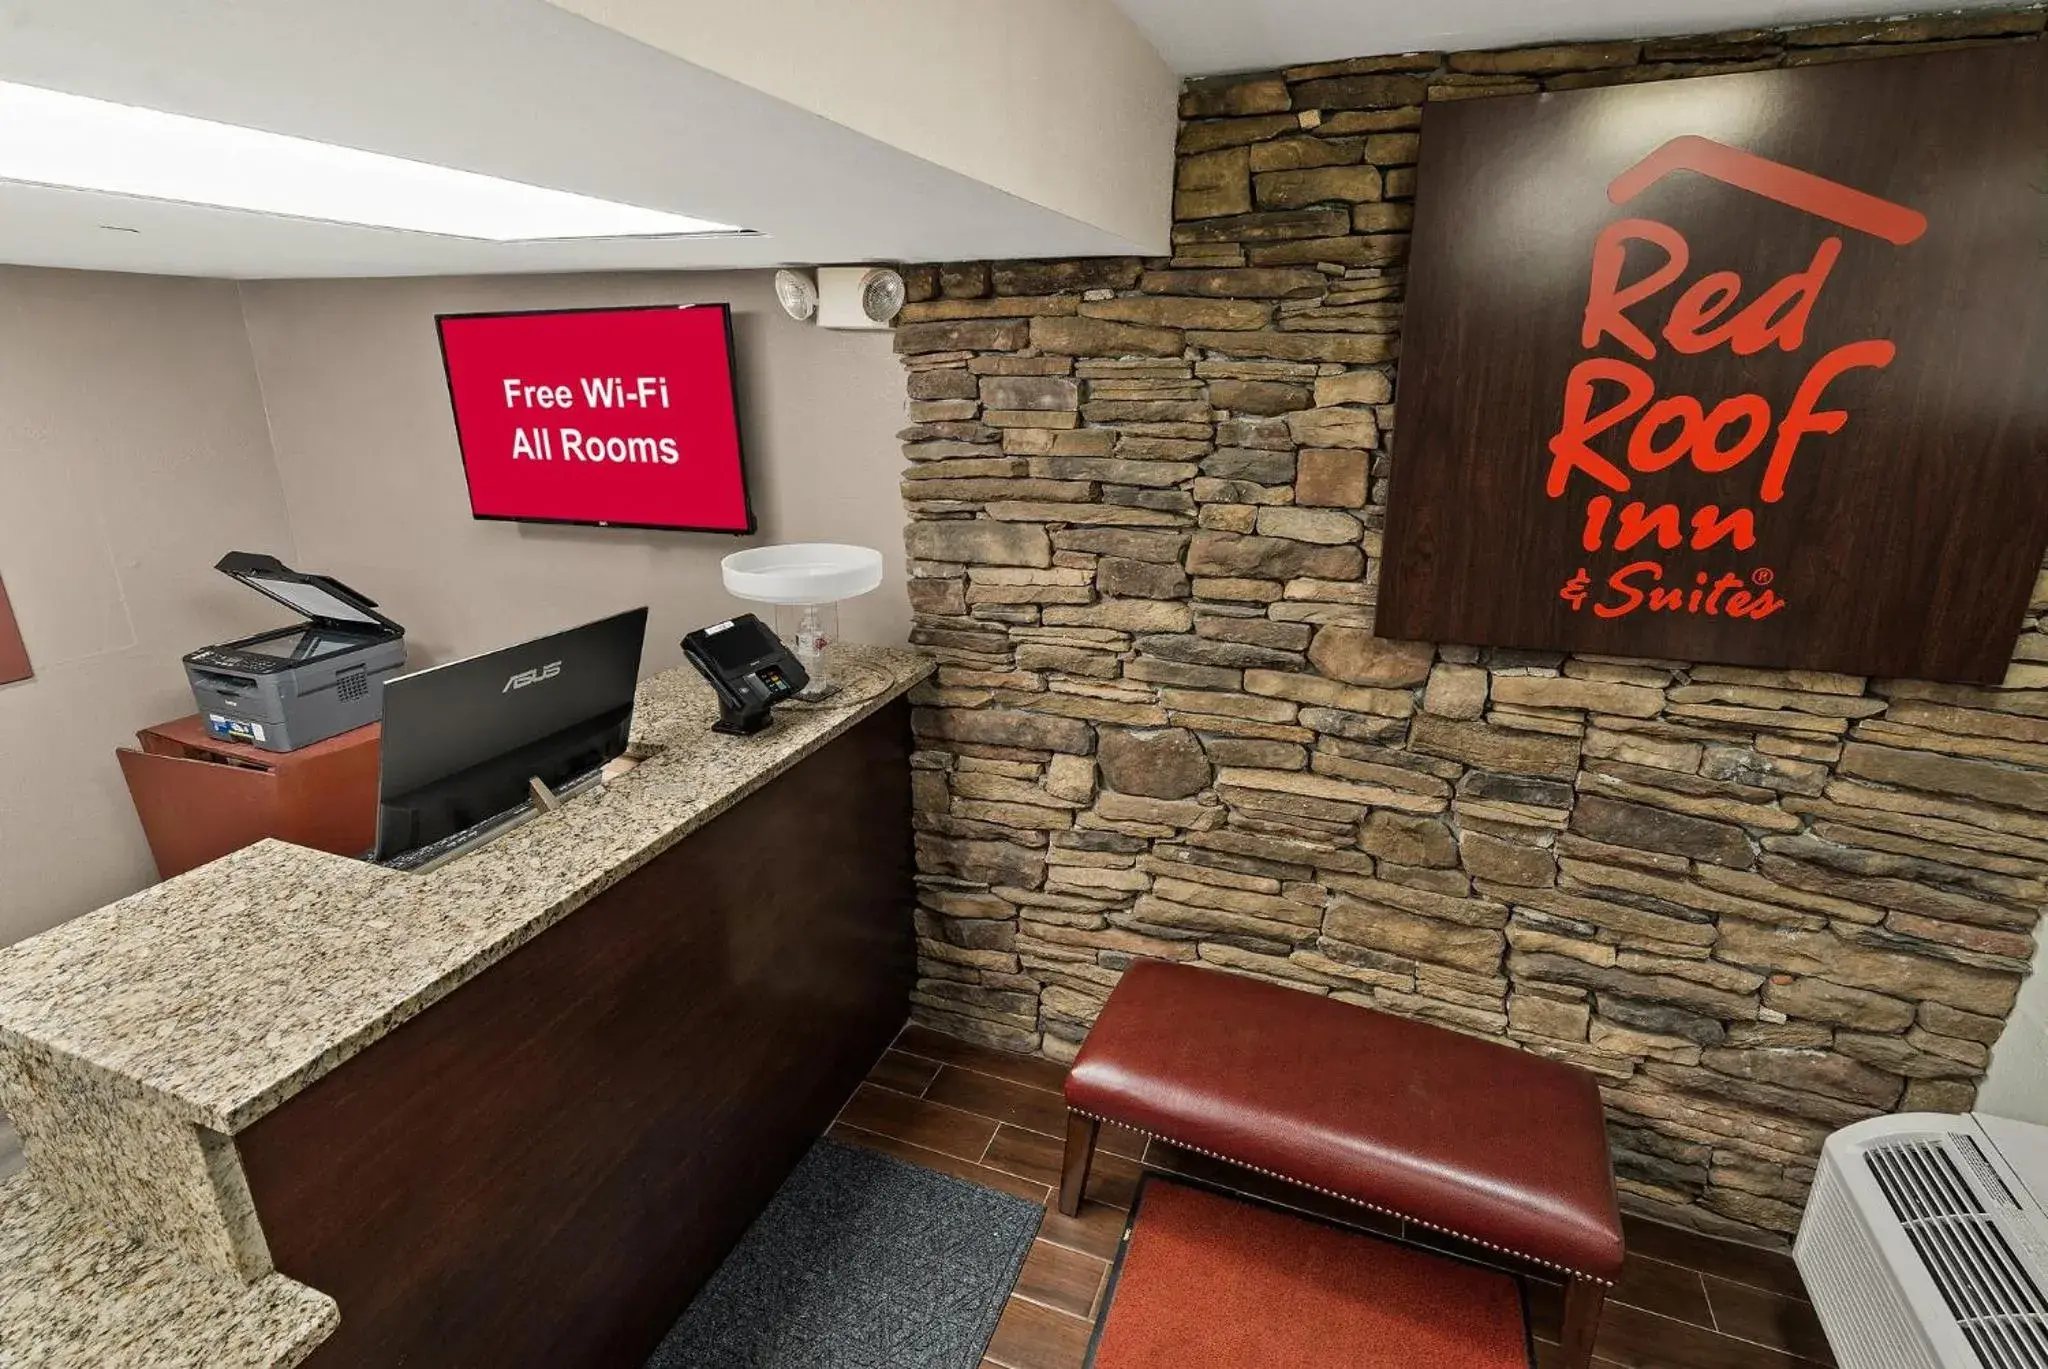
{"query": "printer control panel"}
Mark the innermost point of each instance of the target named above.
(223, 658)
(284, 649)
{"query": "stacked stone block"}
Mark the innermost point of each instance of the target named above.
(1146, 501)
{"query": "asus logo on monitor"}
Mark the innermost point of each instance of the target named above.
(534, 676)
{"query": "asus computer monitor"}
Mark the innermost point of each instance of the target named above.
(462, 740)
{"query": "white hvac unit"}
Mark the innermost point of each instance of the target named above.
(1925, 1245)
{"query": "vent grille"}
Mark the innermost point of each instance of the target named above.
(352, 685)
(1868, 1323)
(1973, 1156)
(1996, 1303)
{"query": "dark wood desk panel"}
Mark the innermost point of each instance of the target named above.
(544, 1167)
(200, 797)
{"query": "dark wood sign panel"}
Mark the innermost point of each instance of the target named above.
(1747, 368)
(13, 655)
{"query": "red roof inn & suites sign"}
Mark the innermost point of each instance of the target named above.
(1747, 368)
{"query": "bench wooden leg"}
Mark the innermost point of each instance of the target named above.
(1583, 1300)
(1081, 1133)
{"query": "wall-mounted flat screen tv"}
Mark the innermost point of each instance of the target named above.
(616, 417)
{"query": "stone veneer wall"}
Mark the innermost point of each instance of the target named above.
(1146, 500)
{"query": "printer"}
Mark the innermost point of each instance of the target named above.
(293, 686)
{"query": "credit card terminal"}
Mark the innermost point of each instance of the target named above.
(749, 669)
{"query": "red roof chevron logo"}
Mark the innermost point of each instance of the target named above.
(1802, 190)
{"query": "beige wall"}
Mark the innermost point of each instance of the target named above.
(2016, 1085)
(132, 454)
(359, 418)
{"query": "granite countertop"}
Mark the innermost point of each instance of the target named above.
(76, 1296)
(226, 990)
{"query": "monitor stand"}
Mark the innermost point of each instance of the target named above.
(420, 860)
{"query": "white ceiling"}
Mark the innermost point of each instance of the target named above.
(513, 88)
(1205, 37)
(1060, 116)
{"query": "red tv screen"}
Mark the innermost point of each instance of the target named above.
(623, 417)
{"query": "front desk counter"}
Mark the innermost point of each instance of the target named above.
(290, 1107)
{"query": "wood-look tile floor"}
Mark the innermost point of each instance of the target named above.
(1685, 1301)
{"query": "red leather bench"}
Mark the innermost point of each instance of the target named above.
(1499, 1147)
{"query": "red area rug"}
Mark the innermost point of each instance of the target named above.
(1207, 1282)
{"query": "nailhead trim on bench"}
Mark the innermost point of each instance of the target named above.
(1347, 1198)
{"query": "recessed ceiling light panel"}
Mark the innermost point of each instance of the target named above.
(75, 143)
